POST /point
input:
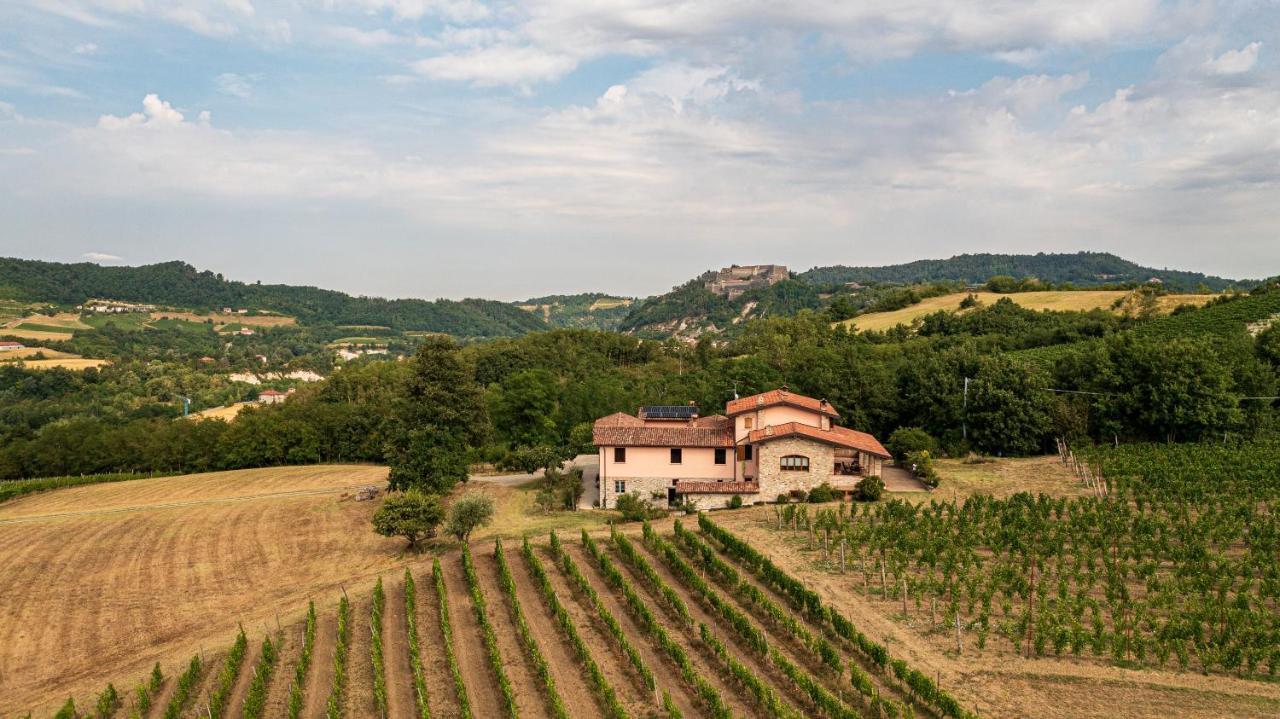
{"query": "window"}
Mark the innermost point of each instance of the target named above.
(795, 463)
(619, 486)
(748, 422)
(677, 455)
(747, 452)
(720, 456)
(620, 455)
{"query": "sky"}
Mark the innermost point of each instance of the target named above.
(464, 148)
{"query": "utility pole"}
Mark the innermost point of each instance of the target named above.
(964, 415)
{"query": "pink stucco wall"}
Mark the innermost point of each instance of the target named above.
(698, 463)
(776, 415)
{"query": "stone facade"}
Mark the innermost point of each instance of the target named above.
(774, 480)
(645, 487)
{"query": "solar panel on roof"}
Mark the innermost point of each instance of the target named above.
(669, 412)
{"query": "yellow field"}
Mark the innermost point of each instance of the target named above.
(1075, 300)
(220, 318)
(30, 352)
(608, 303)
(225, 414)
(79, 363)
(36, 335)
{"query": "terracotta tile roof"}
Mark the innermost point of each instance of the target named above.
(683, 487)
(839, 436)
(777, 397)
(624, 430)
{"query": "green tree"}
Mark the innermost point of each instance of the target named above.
(532, 459)
(905, 440)
(523, 407)
(469, 513)
(1008, 410)
(412, 515)
(439, 415)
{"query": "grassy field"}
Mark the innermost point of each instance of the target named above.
(1078, 300)
(29, 352)
(225, 414)
(79, 363)
(129, 321)
(37, 336)
(219, 319)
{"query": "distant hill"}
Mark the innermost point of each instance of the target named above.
(1082, 269)
(588, 310)
(181, 285)
(691, 309)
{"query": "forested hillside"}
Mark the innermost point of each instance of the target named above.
(1082, 269)
(180, 284)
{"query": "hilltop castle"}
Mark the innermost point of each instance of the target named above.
(732, 281)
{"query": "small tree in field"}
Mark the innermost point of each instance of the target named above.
(468, 514)
(412, 515)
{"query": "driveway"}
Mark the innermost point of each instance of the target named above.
(588, 463)
(897, 479)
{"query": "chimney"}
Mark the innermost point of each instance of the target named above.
(768, 431)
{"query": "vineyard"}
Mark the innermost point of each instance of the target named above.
(691, 622)
(1169, 563)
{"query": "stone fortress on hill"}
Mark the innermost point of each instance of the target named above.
(734, 280)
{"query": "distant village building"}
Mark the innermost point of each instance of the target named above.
(272, 396)
(206, 360)
(732, 281)
(245, 331)
(764, 446)
(115, 307)
(8, 346)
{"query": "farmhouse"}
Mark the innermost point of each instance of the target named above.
(272, 396)
(762, 446)
(7, 346)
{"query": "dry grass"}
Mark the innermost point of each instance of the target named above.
(608, 303)
(220, 318)
(36, 335)
(31, 352)
(1076, 300)
(516, 514)
(226, 414)
(65, 363)
(1004, 477)
(100, 581)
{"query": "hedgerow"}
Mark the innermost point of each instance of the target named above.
(182, 694)
(334, 708)
(606, 694)
(227, 677)
(375, 650)
(304, 661)
(446, 630)
(415, 649)
(490, 638)
(555, 704)
(255, 702)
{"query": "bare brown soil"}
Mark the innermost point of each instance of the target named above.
(210, 669)
(161, 698)
(1012, 686)
(395, 654)
(668, 678)
(566, 669)
(315, 692)
(358, 691)
(530, 697)
(612, 662)
(288, 654)
(468, 643)
(441, 697)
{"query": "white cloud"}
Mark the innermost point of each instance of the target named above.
(497, 65)
(346, 35)
(229, 83)
(85, 48)
(155, 113)
(1234, 62)
(101, 257)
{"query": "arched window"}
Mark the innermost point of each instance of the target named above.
(795, 463)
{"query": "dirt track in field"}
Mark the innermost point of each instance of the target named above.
(240, 689)
(441, 696)
(468, 643)
(134, 581)
(358, 692)
(1000, 684)
(530, 698)
(315, 693)
(395, 654)
(288, 653)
